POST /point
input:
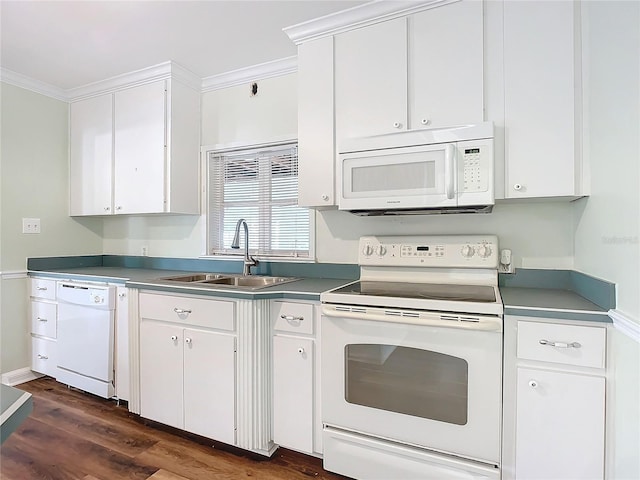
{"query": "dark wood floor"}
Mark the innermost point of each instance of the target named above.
(75, 435)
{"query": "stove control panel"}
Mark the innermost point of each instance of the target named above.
(445, 251)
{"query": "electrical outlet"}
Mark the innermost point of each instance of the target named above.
(144, 251)
(30, 225)
(506, 262)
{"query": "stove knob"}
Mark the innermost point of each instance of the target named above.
(468, 251)
(484, 250)
(381, 250)
(367, 250)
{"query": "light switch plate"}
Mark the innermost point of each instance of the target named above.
(30, 225)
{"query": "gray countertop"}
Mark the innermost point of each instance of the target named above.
(539, 302)
(16, 407)
(148, 279)
(553, 303)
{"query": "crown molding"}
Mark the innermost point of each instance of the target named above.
(154, 73)
(356, 17)
(261, 71)
(22, 81)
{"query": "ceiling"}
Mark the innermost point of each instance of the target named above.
(68, 44)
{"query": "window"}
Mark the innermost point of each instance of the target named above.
(259, 185)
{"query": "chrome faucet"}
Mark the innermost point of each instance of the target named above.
(249, 261)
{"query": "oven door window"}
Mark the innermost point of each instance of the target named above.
(407, 380)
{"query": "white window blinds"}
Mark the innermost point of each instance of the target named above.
(261, 186)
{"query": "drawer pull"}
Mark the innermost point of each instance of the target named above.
(43, 357)
(174, 337)
(560, 344)
(181, 311)
(42, 319)
(291, 318)
(533, 384)
(41, 288)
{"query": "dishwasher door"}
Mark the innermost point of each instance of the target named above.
(86, 337)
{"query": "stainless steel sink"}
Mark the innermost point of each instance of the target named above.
(251, 282)
(196, 277)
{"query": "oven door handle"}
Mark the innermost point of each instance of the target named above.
(488, 324)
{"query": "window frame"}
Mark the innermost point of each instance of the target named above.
(206, 152)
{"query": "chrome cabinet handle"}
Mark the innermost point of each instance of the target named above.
(187, 340)
(533, 384)
(42, 319)
(119, 207)
(291, 318)
(41, 288)
(425, 121)
(397, 125)
(181, 311)
(301, 351)
(560, 344)
(174, 337)
(43, 357)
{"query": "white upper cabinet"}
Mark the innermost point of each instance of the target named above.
(541, 99)
(371, 80)
(420, 71)
(136, 151)
(91, 153)
(139, 185)
(446, 66)
(316, 147)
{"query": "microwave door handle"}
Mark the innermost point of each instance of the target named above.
(449, 153)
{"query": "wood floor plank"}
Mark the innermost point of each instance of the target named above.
(72, 435)
(124, 438)
(165, 475)
(74, 452)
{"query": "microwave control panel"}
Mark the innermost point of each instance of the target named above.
(475, 180)
(468, 251)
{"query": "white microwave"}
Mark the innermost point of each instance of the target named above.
(418, 172)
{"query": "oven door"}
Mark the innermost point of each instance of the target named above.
(431, 386)
(408, 177)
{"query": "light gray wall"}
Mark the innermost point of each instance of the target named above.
(34, 183)
(606, 224)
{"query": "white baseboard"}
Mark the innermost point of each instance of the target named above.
(22, 375)
(625, 324)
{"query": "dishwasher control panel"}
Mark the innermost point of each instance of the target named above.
(444, 251)
(87, 294)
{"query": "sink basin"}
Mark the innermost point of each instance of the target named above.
(252, 282)
(198, 277)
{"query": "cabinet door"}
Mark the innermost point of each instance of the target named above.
(559, 425)
(446, 65)
(161, 373)
(316, 147)
(122, 344)
(91, 156)
(293, 421)
(209, 384)
(371, 80)
(540, 88)
(140, 151)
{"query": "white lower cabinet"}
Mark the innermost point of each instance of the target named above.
(44, 321)
(188, 373)
(554, 400)
(293, 362)
(560, 425)
(296, 377)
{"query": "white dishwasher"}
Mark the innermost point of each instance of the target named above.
(86, 337)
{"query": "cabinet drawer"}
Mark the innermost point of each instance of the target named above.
(43, 288)
(199, 312)
(43, 319)
(43, 356)
(574, 345)
(293, 317)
